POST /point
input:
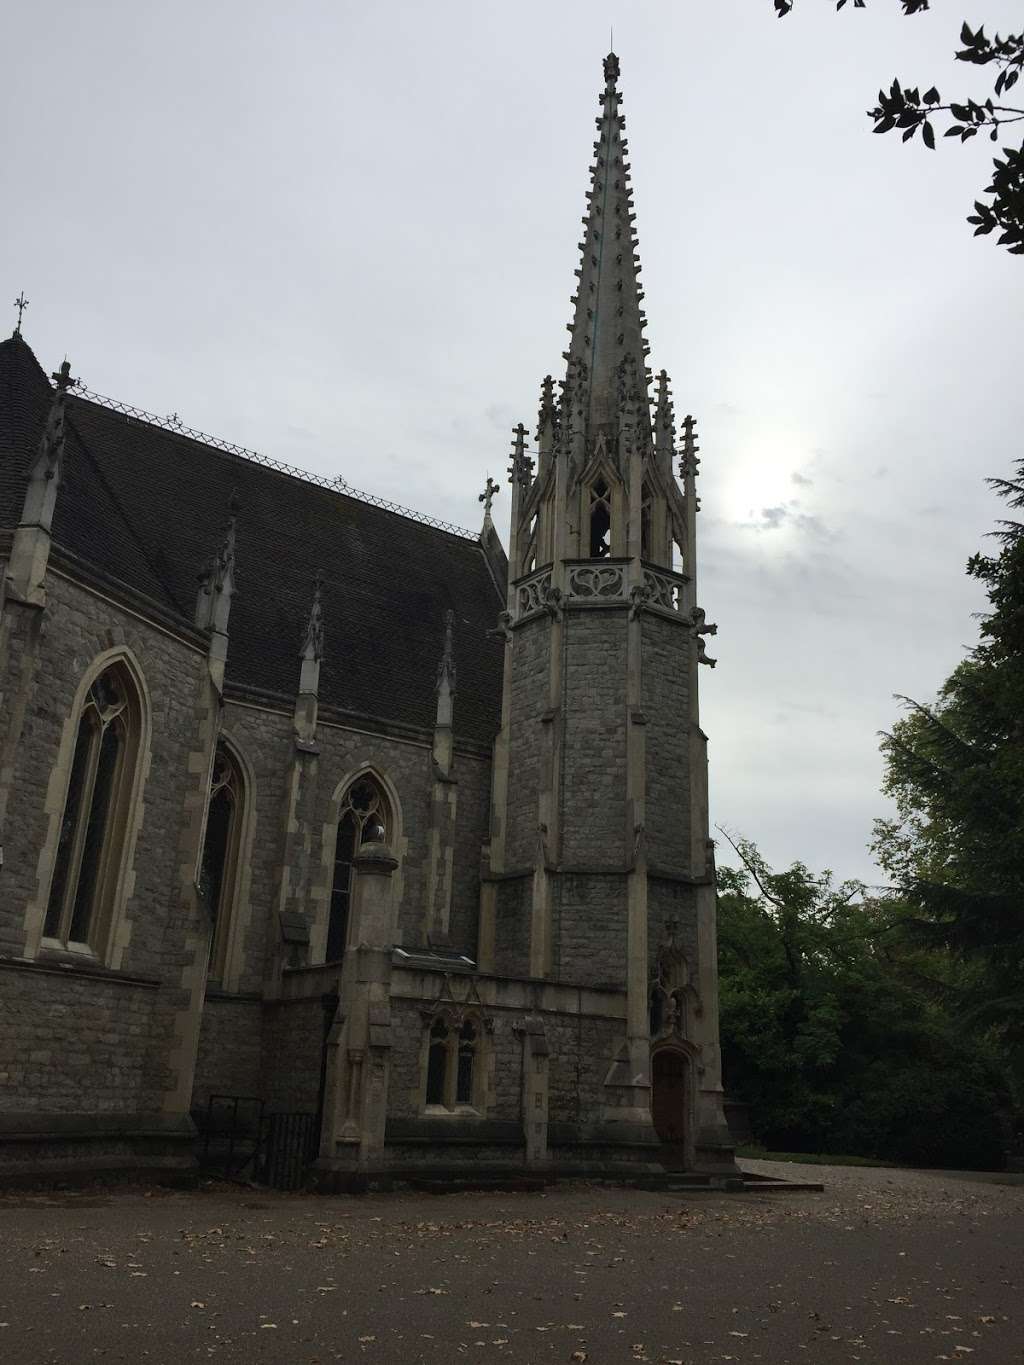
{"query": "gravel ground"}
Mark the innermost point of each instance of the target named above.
(884, 1266)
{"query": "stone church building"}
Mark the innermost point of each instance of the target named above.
(308, 800)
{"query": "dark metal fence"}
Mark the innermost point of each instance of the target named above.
(241, 1142)
(290, 1145)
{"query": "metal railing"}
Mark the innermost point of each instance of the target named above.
(338, 485)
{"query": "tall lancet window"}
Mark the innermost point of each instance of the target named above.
(364, 818)
(96, 809)
(218, 875)
(600, 520)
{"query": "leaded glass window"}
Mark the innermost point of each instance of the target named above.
(93, 825)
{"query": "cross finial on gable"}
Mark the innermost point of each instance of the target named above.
(488, 495)
(21, 303)
(62, 377)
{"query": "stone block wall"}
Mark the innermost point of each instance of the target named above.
(293, 1038)
(474, 778)
(74, 1043)
(589, 929)
(512, 927)
(230, 1049)
(665, 653)
(526, 738)
(582, 1049)
(593, 796)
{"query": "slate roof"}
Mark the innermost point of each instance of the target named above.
(147, 506)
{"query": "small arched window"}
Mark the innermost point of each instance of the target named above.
(452, 1063)
(600, 520)
(365, 817)
(93, 828)
(218, 873)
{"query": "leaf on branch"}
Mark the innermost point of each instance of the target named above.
(931, 96)
(928, 134)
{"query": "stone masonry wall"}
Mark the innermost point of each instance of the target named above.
(665, 656)
(474, 779)
(293, 1037)
(581, 1054)
(230, 1049)
(512, 928)
(589, 931)
(74, 1044)
(594, 771)
(526, 739)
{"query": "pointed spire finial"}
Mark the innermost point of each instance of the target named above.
(313, 644)
(520, 470)
(689, 463)
(21, 303)
(548, 409)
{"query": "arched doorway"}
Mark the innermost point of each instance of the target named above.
(671, 1102)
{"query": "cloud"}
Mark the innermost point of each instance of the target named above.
(801, 479)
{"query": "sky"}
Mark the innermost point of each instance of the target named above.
(344, 235)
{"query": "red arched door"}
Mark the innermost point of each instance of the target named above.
(668, 1099)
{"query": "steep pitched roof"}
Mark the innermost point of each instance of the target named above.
(147, 506)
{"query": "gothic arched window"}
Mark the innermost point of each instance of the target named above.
(91, 842)
(452, 1063)
(364, 817)
(600, 520)
(218, 872)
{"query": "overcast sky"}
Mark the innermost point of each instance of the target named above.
(344, 234)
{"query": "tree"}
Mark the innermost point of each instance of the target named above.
(905, 109)
(956, 773)
(836, 1030)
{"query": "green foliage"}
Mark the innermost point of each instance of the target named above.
(836, 1028)
(905, 109)
(956, 773)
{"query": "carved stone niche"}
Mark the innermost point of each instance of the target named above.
(673, 999)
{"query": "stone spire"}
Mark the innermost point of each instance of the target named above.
(31, 548)
(608, 323)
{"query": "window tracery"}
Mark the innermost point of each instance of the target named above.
(91, 841)
(364, 817)
(600, 520)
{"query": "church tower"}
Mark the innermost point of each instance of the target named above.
(601, 872)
